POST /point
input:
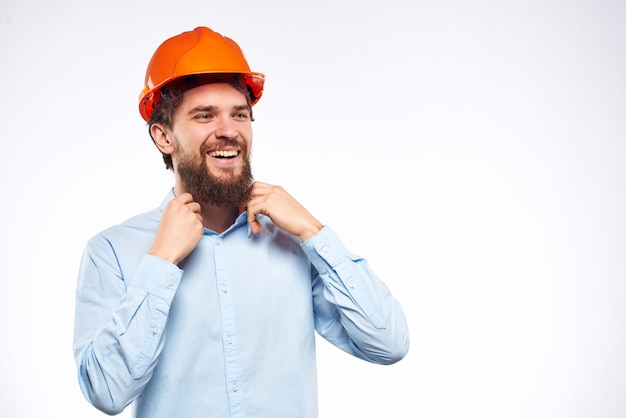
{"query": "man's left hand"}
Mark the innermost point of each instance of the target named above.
(282, 209)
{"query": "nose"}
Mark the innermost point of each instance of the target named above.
(225, 129)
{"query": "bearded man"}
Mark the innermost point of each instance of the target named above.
(207, 306)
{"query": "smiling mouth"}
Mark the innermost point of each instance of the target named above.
(223, 154)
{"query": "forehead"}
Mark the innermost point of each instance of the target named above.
(214, 94)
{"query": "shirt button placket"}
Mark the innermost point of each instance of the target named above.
(229, 329)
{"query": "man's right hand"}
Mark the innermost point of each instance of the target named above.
(179, 231)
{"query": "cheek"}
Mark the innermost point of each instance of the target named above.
(191, 140)
(246, 134)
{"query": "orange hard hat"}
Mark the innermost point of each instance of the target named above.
(201, 51)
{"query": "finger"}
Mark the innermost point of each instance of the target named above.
(251, 215)
(253, 222)
(185, 198)
(194, 207)
(259, 189)
(255, 226)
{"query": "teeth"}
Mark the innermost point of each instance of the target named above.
(223, 154)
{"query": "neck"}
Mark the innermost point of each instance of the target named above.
(215, 218)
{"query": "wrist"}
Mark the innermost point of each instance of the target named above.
(170, 258)
(310, 232)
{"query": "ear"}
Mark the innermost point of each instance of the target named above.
(162, 138)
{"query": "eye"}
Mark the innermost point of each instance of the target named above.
(203, 116)
(242, 116)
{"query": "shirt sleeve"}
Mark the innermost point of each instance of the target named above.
(354, 309)
(119, 324)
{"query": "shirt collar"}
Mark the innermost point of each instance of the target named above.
(239, 222)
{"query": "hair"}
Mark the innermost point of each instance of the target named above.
(171, 96)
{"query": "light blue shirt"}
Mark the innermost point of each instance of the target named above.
(229, 332)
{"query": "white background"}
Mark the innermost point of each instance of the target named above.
(473, 151)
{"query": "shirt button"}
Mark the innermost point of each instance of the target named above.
(224, 288)
(325, 249)
(235, 387)
(170, 283)
(219, 241)
(230, 340)
(155, 331)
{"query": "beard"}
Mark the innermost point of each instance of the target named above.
(226, 191)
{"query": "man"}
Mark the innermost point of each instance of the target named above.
(207, 305)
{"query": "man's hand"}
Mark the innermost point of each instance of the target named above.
(179, 231)
(282, 209)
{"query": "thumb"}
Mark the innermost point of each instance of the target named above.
(254, 223)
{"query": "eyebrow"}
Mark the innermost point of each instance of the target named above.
(199, 109)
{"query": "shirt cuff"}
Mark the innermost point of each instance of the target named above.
(157, 277)
(324, 249)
